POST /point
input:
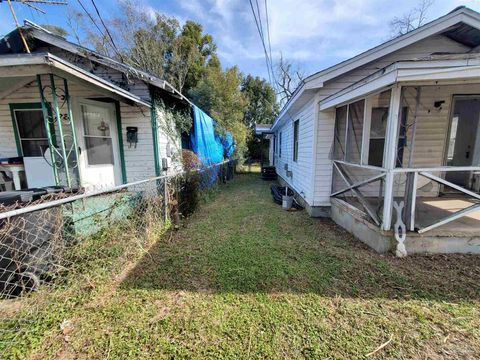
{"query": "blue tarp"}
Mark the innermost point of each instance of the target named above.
(209, 147)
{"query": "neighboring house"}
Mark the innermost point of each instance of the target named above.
(397, 123)
(263, 130)
(112, 115)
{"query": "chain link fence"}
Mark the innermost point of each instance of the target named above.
(57, 252)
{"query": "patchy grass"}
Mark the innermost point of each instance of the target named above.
(244, 279)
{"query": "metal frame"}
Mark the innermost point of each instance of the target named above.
(48, 119)
(66, 159)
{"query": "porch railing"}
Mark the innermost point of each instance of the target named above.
(410, 195)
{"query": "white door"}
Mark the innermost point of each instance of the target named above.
(98, 142)
(33, 141)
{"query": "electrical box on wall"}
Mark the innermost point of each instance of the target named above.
(165, 164)
(132, 136)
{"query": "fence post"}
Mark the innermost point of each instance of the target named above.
(165, 198)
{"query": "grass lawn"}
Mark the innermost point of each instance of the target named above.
(244, 279)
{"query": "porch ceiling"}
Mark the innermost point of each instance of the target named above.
(10, 84)
(464, 34)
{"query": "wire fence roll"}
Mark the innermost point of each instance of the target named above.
(58, 251)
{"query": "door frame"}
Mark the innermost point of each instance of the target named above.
(114, 134)
(451, 115)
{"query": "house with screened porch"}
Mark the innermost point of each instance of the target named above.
(72, 117)
(387, 143)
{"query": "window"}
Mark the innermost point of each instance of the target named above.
(452, 139)
(355, 132)
(98, 141)
(31, 132)
(349, 132)
(296, 127)
(378, 128)
(340, 131)
(280, 145)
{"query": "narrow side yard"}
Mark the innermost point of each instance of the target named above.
(244, 279)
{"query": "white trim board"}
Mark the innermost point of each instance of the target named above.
(317, 80)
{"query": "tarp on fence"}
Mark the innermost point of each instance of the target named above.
(209, 146)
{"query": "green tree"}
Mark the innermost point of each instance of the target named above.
(57, 30)
(262, 109)
(219, 94)
(153, 46)
(262, 104)
(196, 49)
(159, 45)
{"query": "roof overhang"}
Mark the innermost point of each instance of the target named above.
(263, 129)
(408, 72)
(461, 15)
(446, 23)
(26, 65)
(45, 36)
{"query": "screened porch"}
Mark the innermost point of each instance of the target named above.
(407, 156)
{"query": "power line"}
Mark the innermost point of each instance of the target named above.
(268, 32)
(260, 33)
(106, 29)
(270, 46)
(98, 28)
(269, 58)
(91, 18)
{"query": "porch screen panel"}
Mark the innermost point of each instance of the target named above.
(378, 127)
(355, 131)
(340, 132)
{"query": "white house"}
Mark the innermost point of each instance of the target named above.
(109, 115)
(397, 124)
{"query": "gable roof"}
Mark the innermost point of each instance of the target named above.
(7, 44)
(462, 25)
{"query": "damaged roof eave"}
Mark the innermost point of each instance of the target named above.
(106, 61)
(46, 62)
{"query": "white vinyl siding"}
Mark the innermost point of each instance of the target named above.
(139, 161)
(302, 168)
(326, 119)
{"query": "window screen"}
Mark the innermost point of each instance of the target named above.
(32, 132)
(355, 131)
(378, 128)
(340, 131)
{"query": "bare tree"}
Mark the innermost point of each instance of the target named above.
(411, 20)
(288, 77)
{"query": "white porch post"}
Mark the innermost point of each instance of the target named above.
(390, 154)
